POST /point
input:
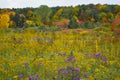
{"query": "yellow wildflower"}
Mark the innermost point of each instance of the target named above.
(96, 70)
(15, 77)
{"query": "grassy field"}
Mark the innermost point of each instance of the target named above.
(59, 55)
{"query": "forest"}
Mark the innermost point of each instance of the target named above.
(80, 16)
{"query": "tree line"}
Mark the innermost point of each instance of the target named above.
(65, 16)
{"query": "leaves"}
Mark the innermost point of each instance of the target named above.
(4, 20)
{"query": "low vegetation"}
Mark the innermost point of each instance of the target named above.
(33, 54)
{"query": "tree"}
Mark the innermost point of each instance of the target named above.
(68, 12)
(117, 8)
(56, 16)
(73, 23)
(19, 20)
(4, 10)
(29, 15)
(4, 20)
(76, 10)
(44, 13)
(116, 25)
(12, 14)
(102, 17)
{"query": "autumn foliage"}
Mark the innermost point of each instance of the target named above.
(116, 25)
(80, 16)
(4, 20)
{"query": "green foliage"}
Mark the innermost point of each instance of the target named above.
(103, 29)
(68, 12)
(57, 15)
(19, 20)
(73, 23)
(43, 13)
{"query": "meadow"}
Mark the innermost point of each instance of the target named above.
(31, 54)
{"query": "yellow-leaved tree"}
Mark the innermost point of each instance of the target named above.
(4, 20)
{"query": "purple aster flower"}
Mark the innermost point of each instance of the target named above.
(36, 77)
(66, 71)
(20, 75)
(77, 78)
(77, 69)
(30, 78)
(71, 58)
(98, 55)
(60, 70)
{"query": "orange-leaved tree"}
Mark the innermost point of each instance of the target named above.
(116, 25)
